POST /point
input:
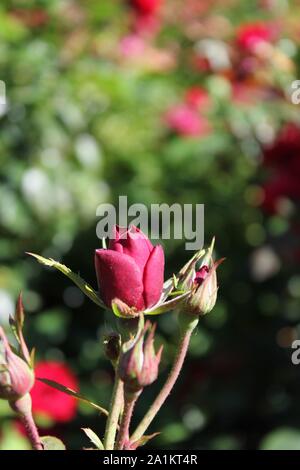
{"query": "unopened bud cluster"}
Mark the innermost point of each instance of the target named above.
(139, 363)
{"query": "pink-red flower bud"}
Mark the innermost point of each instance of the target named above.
(204, 291)
(131, 270)
(139, 362)
(16, 377)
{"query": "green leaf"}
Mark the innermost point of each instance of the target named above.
(74, 394)
(143, 440)
(32, 358)
(176, 293)
(168, 286)
(93, 438)
(52, 443)
(167, 306)
(116, 310)
(81, 283)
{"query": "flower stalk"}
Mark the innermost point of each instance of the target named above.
(188, 324)
(123, 435)
(23, 407)
(114, 414)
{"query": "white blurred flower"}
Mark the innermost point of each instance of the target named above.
(264, 263)
(215, 51)
(87, 151)
(36, 187)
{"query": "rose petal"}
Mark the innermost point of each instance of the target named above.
(154, 276)
(114, 243)
(133, 242)
(119, 277)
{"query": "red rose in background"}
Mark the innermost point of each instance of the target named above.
(50, 402)
(131, 269)
(281, 186)
(283, 158)
(146, 21)
(284, 153)
(252, 35)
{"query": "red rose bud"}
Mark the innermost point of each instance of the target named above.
(131, 270)
(16, 377)
(139, 362)
(204, 292)
(187, 273)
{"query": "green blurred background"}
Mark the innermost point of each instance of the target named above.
(99, 104)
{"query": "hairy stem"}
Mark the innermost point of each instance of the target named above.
(31, 431)
(181, 351)
(114, 413)
(24, 410)
(123, 435)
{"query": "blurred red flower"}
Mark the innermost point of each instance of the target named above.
(283, 157)
(48, 401)
(279, 187)
(146, 7)
(284, 153)
(186, 121)
(197, 97)
(251, 35)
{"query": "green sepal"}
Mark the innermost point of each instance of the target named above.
(81, 283)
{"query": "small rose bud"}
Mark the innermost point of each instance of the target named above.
(204, 291)
(139, 363)
(16, 377)
(187, 273)
(149, 371)
(112, 346)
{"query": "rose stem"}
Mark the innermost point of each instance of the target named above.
(123, 435)
(113, 417)
(31, 431)
(182, 347)
(24, 410)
